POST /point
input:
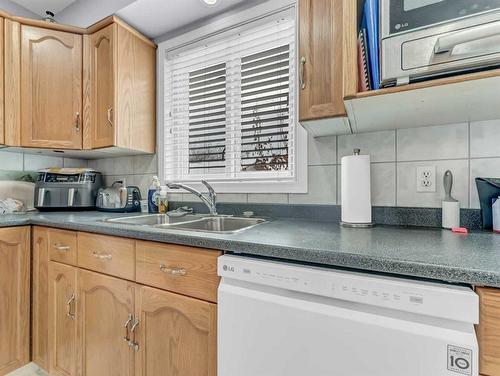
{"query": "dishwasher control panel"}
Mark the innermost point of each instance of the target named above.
(421, 297)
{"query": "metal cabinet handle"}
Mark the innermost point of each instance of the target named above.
(77, 122)
(70, 301)
(132, 343)
(62, 248)
(173, 271)
(102, 256)
(110, 116)
(302, 73)
(126, 326)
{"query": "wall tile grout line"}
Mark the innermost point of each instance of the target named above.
(396, 170)
(469, 184)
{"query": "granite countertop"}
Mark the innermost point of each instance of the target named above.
(427, 253)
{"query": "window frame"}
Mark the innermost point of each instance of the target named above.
(230, 23)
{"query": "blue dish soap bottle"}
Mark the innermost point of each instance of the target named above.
(154, 195)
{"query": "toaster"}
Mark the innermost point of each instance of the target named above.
(66, 189)
(119, 198)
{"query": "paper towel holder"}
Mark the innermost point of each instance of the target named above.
(356, 152)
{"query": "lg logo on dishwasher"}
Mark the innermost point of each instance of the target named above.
(228, 268)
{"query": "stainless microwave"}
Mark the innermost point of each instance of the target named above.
(420, 39)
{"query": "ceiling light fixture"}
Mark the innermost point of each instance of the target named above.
(210, 2)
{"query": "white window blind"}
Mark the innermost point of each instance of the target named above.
(230, 106)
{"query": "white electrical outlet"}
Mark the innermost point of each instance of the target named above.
(426, 179)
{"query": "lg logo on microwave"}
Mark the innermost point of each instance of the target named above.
(228, 268)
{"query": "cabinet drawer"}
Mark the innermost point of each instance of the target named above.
(63, 246)
(185, 270)
(107, 254)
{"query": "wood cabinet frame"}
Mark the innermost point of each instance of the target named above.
(15, 302)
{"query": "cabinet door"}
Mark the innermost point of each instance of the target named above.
(320, 59)
(14, 298)
(40, 297)
(105, 305)
(62, 319)
(101, 61)
(176, 335)
(488, 331)
(2, 114)
(51, 88)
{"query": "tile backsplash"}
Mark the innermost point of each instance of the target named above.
(32, 162)
(467, 149)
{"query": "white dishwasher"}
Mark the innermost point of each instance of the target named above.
(279, 319)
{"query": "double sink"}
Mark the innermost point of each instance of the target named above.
(192, 222)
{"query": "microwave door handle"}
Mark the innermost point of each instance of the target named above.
(446, 43)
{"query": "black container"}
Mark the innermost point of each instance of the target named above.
(488, 189)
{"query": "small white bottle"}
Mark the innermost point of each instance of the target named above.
(451, 207)
(496, 215)
(163, 201)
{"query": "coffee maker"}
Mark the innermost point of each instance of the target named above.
(488, 190)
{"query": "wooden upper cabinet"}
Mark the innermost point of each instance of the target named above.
(176, 335)
(51, 88)
(101, 66)
(119, 90)
(14, 298)
(320, 59)
(105, 305)
(62, 319)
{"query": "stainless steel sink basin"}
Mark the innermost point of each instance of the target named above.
(221, 225)
(191, 222)
(154, 219)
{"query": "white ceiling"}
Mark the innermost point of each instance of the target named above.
(154, 18)
(157, 17)
(40, 6)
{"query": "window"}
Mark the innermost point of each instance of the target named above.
(230, 109)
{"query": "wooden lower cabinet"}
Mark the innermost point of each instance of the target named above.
(62, 322)
(39, 299)
(90, 324)
(176, 335)
(488, 331)
(14, 298)
(105, 306)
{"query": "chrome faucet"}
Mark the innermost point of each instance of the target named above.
(210, 201)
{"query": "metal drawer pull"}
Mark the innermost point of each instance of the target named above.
(77, 122)
(173, 271)
(132, 343)
(70, 314)
(102, 256)
(302, 73)
(126, 326)
(110, 112)
(62, 248)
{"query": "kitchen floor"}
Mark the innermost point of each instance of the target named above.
(29, 370)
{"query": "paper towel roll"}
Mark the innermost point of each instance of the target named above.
(356, 190)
